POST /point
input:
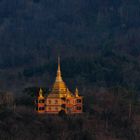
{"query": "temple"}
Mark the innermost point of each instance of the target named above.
(60, 99)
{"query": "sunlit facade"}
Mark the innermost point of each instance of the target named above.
(60, 99)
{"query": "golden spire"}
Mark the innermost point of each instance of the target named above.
(59, 87)
(41, 93)
(59, 77)
(76, 92)
(68, 94)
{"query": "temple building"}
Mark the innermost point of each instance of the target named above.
(60, 99)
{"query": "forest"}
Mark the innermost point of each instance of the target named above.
(98, 42)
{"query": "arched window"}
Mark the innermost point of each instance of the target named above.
(49, 101)
(56, 101)
(41, 108)
(41, 101)
(79, 101)
(68, 101)
(79, 108)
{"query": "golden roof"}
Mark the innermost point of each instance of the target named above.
(59, 88)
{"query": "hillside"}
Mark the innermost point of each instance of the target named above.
(99, 45)
(98, 42)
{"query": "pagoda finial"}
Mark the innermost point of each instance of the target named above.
(68, 93)
(59, 63)
(59, 78)
(41, 93)
(76, 92)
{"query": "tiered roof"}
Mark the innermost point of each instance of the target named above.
(59, 88)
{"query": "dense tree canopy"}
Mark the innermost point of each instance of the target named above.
(98, 42)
